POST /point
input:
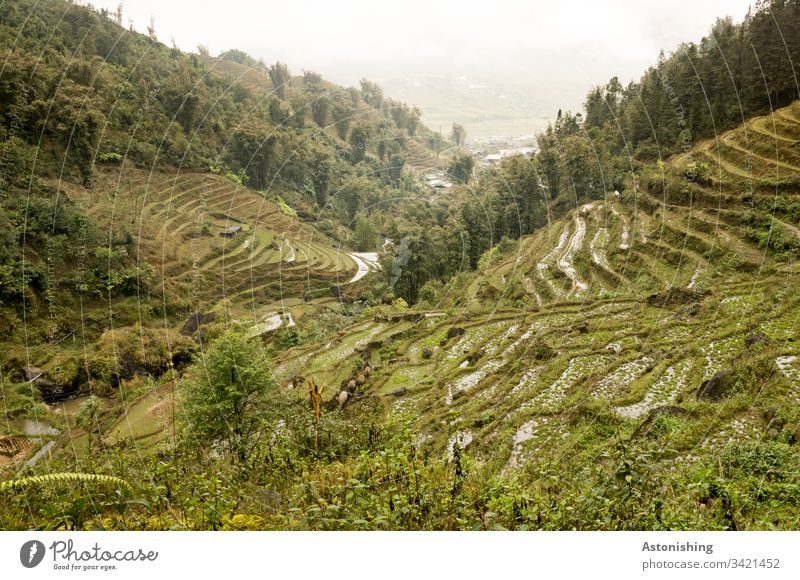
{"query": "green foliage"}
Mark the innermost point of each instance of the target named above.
(124, 352)
(366, 238)
(458, 135)
(697, 171)
(461, 167)
(53, 478)
(280, 76)
(231, 398)
(285, 208)
(112, 158)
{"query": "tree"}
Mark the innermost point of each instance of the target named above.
(458, 135)
(299, 110)
(372, 94)
(276, 113)
(312, 80)
(320, 109)
(342, 115)
(280, 77)
(460, 168)
(365, 235)
(407, 270)
(232, 398)
(359, 139)
(254, 149)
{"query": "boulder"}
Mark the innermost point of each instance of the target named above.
(454, 331)
(753, 339)
(32, 373)
(717, 387)
(675, 297)
(581, 327)
(52, 391)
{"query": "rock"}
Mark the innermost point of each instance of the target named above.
(427, 353)
(342, 399)
(454, 331)
(717, 387)
(474, 357)
(675, 297)
(399, 392)
(581, 327)
(753, 339)
(52, 391)
(374, 345)
(32, 373)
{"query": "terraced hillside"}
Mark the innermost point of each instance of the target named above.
(620, 310)
(212, 239)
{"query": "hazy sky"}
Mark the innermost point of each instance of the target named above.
(556, 49)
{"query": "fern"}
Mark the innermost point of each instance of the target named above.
(61, 477)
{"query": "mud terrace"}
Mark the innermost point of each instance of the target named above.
(661, 393)
(621, 378)
(542, 430)
(788, 366)
(578, 368)
(565, 262)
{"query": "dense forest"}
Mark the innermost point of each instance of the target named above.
(79, 93)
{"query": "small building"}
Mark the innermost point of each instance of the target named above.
(231, 231)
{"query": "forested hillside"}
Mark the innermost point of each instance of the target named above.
(125, 161)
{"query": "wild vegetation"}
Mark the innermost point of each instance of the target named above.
(198, 334)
